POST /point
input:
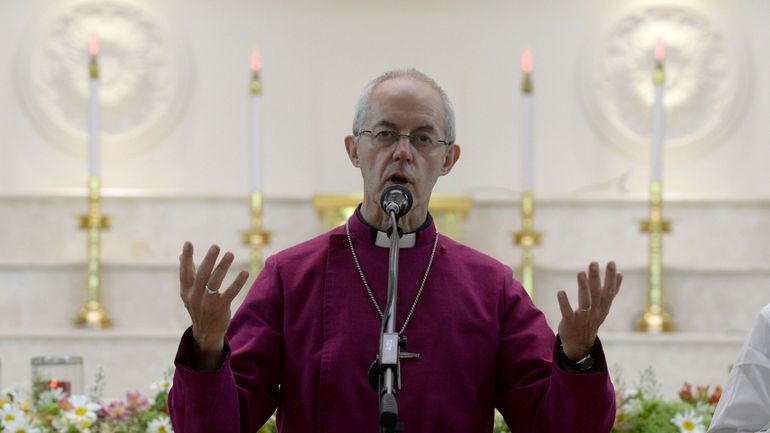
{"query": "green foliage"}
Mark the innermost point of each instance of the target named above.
(644, 410)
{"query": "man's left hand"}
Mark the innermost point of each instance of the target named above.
(578, 328)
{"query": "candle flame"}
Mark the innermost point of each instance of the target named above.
(93, 46)
(256, 62)
(660, 50)
(526, 61)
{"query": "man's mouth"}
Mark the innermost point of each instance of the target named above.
(398, 179)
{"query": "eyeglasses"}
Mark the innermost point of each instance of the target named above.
(388, 137)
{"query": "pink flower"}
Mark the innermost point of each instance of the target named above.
(117, 411)
(136, 401)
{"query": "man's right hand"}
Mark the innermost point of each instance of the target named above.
(208, 306)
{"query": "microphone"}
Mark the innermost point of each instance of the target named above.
(396, 199)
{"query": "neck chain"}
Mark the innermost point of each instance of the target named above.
(369, 289)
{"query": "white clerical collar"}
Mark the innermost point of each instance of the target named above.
(408, 240)
(381, 239)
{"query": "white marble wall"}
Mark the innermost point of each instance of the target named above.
(318, 55)
(713, 292)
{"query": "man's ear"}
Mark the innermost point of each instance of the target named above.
(351, 145)
(450, 158)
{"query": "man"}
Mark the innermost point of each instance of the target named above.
(308, 330)
(745, 403)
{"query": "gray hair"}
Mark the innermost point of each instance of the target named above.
(362, 106)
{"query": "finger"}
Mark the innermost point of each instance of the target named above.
(236, 286)
(595, 284)
(186, 268)
(610, 282)
(215, 281)
(204, 270)
(584, 295)
(618, 282)
(564, 306)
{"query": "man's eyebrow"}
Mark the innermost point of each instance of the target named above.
(426, 127)
(386, 124)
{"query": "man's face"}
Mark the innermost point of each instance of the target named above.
(405, 106)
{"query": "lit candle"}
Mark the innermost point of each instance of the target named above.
(53, 384)
(527, 139)
(659, 80)
(256, 117)
(93, 124)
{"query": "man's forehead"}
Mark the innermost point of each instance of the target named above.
(398, 98)
(409, 85)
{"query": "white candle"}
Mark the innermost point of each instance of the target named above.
(657, 114)
(527, 127)
(93, 118)
(256, 122)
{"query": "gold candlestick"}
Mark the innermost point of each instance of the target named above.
(527, 238)
(256, 237)
(656, 319)
(93, 314)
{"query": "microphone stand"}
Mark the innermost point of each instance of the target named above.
(390, 343)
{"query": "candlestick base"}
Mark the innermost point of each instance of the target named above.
(255, 238)
(527, 238)
(93, 315)
(89, 221)
(653, 226)
(655, 320)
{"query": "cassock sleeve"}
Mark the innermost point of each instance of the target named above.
(242, 394)
(745, 404)
(533, 393)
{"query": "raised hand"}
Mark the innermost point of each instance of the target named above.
(578, 328)
(208, 306)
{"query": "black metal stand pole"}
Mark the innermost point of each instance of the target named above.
(389, 359)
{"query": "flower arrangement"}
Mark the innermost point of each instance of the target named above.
(639, 410)
(643, 410)
(52, 411)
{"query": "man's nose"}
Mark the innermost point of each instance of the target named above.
(403, 151)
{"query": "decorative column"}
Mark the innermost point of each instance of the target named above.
(93, 314)
(256, 237)
(527, 237)
(656, 319)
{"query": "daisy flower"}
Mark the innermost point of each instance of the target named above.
(10, 414)
(162, 385)
(689, 422)
(83, 412)
(160, 425)
(21, 428)
(20, 425)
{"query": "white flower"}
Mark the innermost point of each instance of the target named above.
(10, 414)
(689, 422)
(60, 425)
(20, 425)
(51, 396)
(163, 385)
(83, 412)
(160, 425)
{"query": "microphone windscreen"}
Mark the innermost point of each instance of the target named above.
(398, 198)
